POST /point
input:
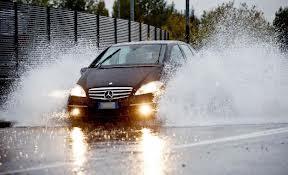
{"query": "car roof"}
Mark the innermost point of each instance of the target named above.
(151, 42)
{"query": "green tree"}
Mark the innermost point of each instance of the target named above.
(97, 8)
(153, 12)
(230, 22)
(36, 2)
(158, 13)
(124, 9)
(90, 6)
(177, 32)
(101, 8)
(79, 5)
(194, 29)
(281, 25)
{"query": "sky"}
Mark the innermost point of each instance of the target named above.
(269, 7)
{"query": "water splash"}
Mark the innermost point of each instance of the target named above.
(42, 91)
(237, 78)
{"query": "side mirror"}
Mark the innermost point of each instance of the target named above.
(83, 70)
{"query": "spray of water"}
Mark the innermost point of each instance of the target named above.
(239, 77)
(42, 91)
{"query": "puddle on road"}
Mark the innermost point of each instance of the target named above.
(80, 150)
(76, 147)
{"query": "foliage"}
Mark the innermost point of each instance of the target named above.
(124, 9)
(37, 2)
(177, 32)
(90, 6)
(281, 25)
(237, 21)
(226, 18)
(97, 8)
(194, 30)
(158, 13)
(78, 5)
(153, 12)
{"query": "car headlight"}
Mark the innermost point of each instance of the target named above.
(77, 91)
(153, 87)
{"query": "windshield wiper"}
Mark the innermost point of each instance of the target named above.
(107, 58)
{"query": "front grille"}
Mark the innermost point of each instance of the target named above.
(117, 93)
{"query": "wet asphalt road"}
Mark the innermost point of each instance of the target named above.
(237, 149)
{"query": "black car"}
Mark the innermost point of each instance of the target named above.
(124, 79)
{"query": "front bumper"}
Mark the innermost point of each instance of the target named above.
(129, 108)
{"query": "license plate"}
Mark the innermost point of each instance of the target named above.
(108, 105)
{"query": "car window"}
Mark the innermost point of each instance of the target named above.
(133, 54)
(187, 51)
(176, 55)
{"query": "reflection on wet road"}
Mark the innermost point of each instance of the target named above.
(152, 148)
(79, 149)
(242, 149)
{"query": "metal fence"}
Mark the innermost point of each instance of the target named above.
(24, 28)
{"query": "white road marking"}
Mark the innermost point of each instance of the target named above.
(233, 138)
(49, 166)
(54, 165)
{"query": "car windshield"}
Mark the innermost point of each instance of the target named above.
(132, 54)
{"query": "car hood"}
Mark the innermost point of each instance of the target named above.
(120, 76)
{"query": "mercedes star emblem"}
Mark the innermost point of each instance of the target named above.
(108, 95)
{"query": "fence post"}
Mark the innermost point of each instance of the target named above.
(161, 34)
(98, 30)
(148, 32)
(168, 36)
(140, 31)
(115, 29)
(75, 27)
(48, 24)
(155, 33)
(165, 36)
(16, 44)
(129, 30)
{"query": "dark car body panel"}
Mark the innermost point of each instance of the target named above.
(124, 76)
